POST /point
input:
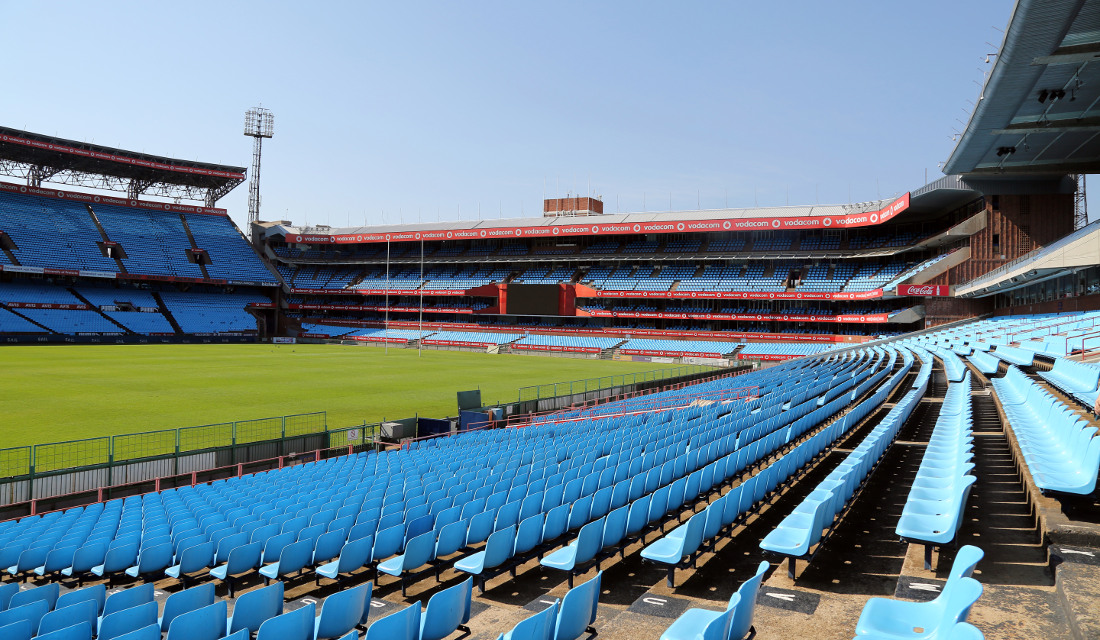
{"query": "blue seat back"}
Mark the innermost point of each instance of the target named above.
(254, 607)
(387, 542)
(32, 613)
(745, 607)
(128, 598)
(446, 610)
(328, 546)
(589, 541)
(81, 630)
(295, 556)
(67, 616)
(197, 557)
(403, 625)
(127, 620)
(578, 609)
(500, 546)
(186, 601)
(419, 551)
(296, 625)
(275, 545)
(539, 626)
(96, 593)
(156, 558)
(244, 558)
(341, 611)
(528, 534)
(207, 623)
(49, 593)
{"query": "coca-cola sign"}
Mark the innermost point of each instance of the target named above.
(941, 290)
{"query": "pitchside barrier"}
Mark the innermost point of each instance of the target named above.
(58, 468)
(561, 395)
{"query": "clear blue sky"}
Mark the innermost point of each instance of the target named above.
(408, 107)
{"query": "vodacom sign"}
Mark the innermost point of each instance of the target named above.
(941, 290)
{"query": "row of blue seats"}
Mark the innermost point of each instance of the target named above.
(565, 619)
(680, 548)
(1013, 355)
(984, 362)
(805, 527)
(734, 623)
(1061, 450)
(1075, 378)
(935, 503)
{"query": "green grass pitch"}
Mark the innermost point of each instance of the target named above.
(68, 392)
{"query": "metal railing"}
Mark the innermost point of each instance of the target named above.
(556, 389)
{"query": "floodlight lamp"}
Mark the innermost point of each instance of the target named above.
(259, 123)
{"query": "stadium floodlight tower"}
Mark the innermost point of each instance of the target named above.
(259, 123)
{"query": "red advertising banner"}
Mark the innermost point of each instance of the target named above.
(458, 343)
(669, 354)
(940, 290)
(119, 202)
(658, 295)
(367, 307)
(98, 155)
(744, 295)
(573, 229)
(750, 317)
(554, 348)
(774, 357)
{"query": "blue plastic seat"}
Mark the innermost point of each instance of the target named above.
(148, 632)
(403, 625)
(127, 598)
(61, 617)
(30, 613)
(716, 628)
(292, 559)
(327, 546)
(96, 594)
(8, 590)
(48, 593)
(417, 554)
(56, 560)
(254, 607)
(117, 560)
(242, 560)
(295, 625)
(130, 619)
(537, 627)
(353, 556)
(578, 610)
(186, 601)
(153, 559)
(578, 552)
(677, 548)
(206, 623)
(884, 618)
(342, 611)
(497, 551)
(447, 611)
(81, 630)
(192, 559)
(742, 605)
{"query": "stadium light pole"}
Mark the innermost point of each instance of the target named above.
(259, 123)
(420, 330)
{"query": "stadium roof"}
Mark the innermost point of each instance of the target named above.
(37, 159)
(931, 200)
(1039, 111)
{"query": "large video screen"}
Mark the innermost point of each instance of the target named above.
(533, 299)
